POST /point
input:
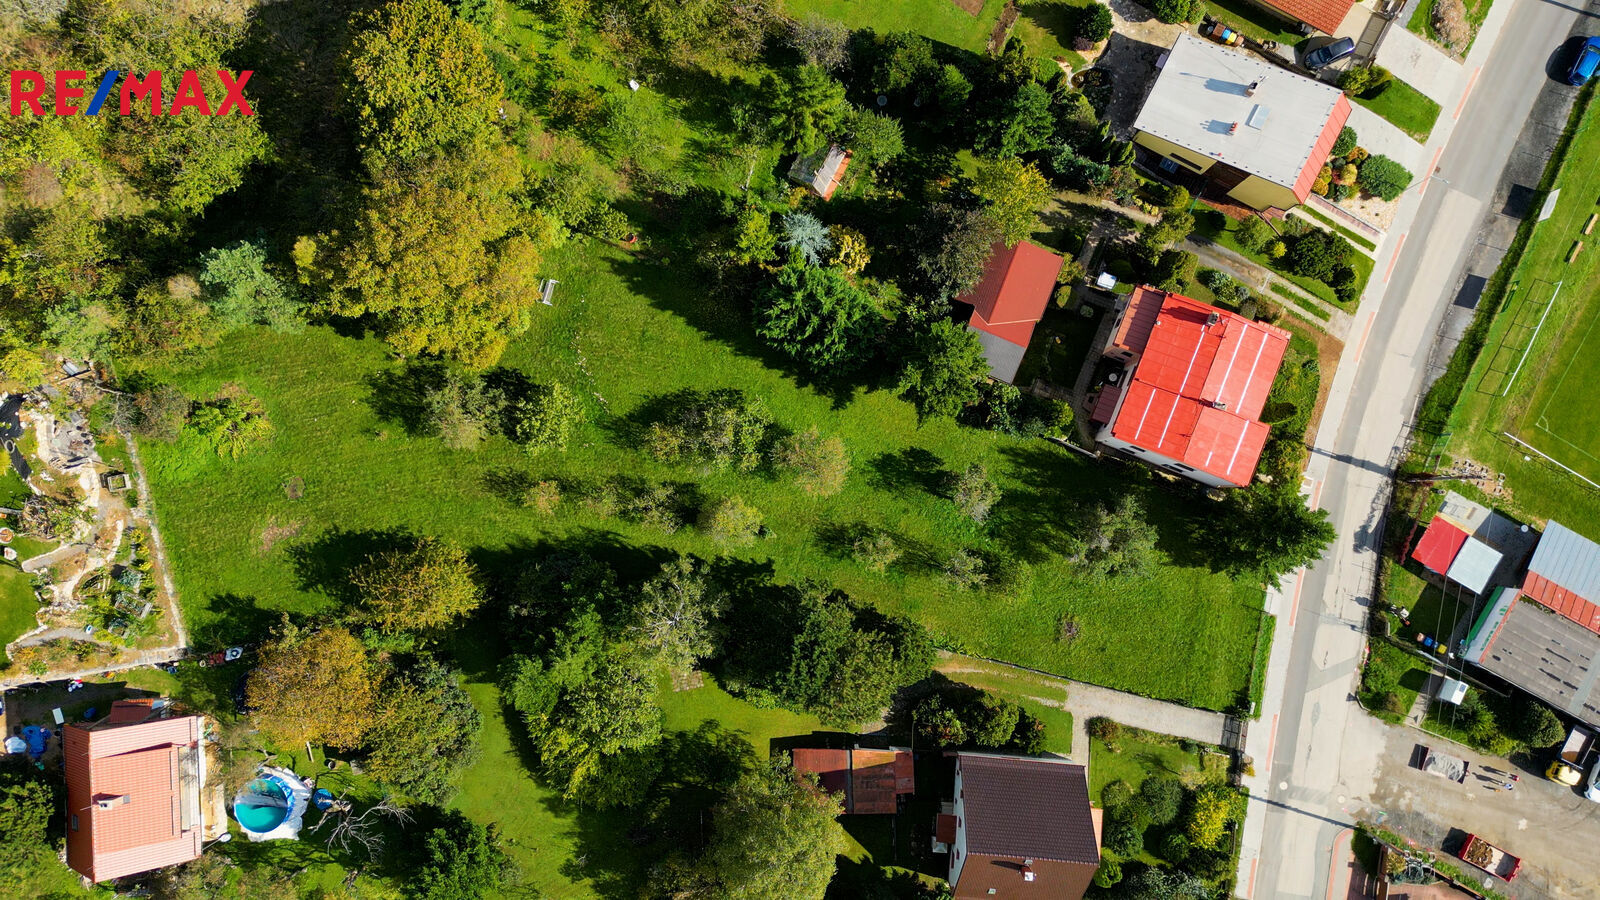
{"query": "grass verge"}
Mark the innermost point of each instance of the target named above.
(1407, 108)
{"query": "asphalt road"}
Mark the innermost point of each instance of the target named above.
(1319, 755)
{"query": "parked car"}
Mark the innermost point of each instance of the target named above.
(1330, 53)
(1588, 60)
(1592, 789)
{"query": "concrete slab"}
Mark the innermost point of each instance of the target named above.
(1378, 135)
(1420, 64)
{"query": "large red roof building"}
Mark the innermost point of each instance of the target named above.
(135, 783)
(1009, 300)
(1195, 382)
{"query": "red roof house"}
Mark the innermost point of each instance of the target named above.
(1439, 545)
(134, 788)
(1009, 300)
(1199, 379)
(872, 781)
(1024, 829)
(1323, 15)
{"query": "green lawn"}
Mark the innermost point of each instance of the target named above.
(1391, 681)
(17, 603)
(939, 20)
(244, 548)
(1537, 382)
(1421, 21)
(685, 710)
(1406, 107)
(1047, 28)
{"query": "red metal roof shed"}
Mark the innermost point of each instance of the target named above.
(1439, 545)
(1015, 288)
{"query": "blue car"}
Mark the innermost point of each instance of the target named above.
(1588, 60)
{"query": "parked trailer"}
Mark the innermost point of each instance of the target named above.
(1490, 858)
(1450, 768)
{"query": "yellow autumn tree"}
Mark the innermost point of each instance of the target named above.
(422, 587)
(314, 686)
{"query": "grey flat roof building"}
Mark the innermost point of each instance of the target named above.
(1545, 654)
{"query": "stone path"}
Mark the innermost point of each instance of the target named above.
(1379, 135)
(1086, 701)
(1418, 63)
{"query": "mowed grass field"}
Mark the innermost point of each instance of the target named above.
(272, 531)
(1536, 376)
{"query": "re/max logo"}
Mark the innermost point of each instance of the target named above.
(28, 90)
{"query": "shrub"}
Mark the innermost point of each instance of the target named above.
(1109, 873)
(542, 497)
(1355, 80)
(1338, 192)
(1537, 726)
(1163, 799)
(1345, 142)
(1277, 249)
(1124, 837)
(545, 419)
(160, 411)
(1346, 175)
(1253, 234)
(1170, 11)
(1324, 178)
(819, 464)
(1344, 284)
(1116, 795)
(965, 570)
(1379, 81)
(974, 494)
(1175, 847)
(1106, 731)
(1208, 817)
(1357, 156)
(1383, 177)
(1094, 23)
(877, 550)
(1450, 23)
(1176, 270)
(723, 428)
(731, 521)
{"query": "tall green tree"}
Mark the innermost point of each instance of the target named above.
(676, 619)
(806, 107)
(424, 82)
(318, 687)
(441, 259)
(1270, 530)
(943, 371)
(774, 838)
(240, 289)
(1013, 193)
(425, 733)
(461, 860)
(952, 247)
(819, 318)
(420, 588)
(1119, 541)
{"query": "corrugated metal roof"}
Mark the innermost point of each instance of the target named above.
(1568, 559)
(1031, 808)
(1005, 357)
(1197, 390)
(1201, 100)
(1439, 545)
(1138, 317)
(1016, 285)
(1474, 565)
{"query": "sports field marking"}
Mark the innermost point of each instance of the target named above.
(1535, 339)
(1552, 459)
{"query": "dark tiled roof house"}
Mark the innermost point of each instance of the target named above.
(1023, 829)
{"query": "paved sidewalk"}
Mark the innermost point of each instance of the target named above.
(1379, 135)
(1085, 701)
(1420, 64)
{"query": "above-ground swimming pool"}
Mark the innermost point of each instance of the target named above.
(262, 805)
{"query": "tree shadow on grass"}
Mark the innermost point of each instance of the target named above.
(910, 471)
(396, 394)
(234, 619)
(839, 539)
(323, 563)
